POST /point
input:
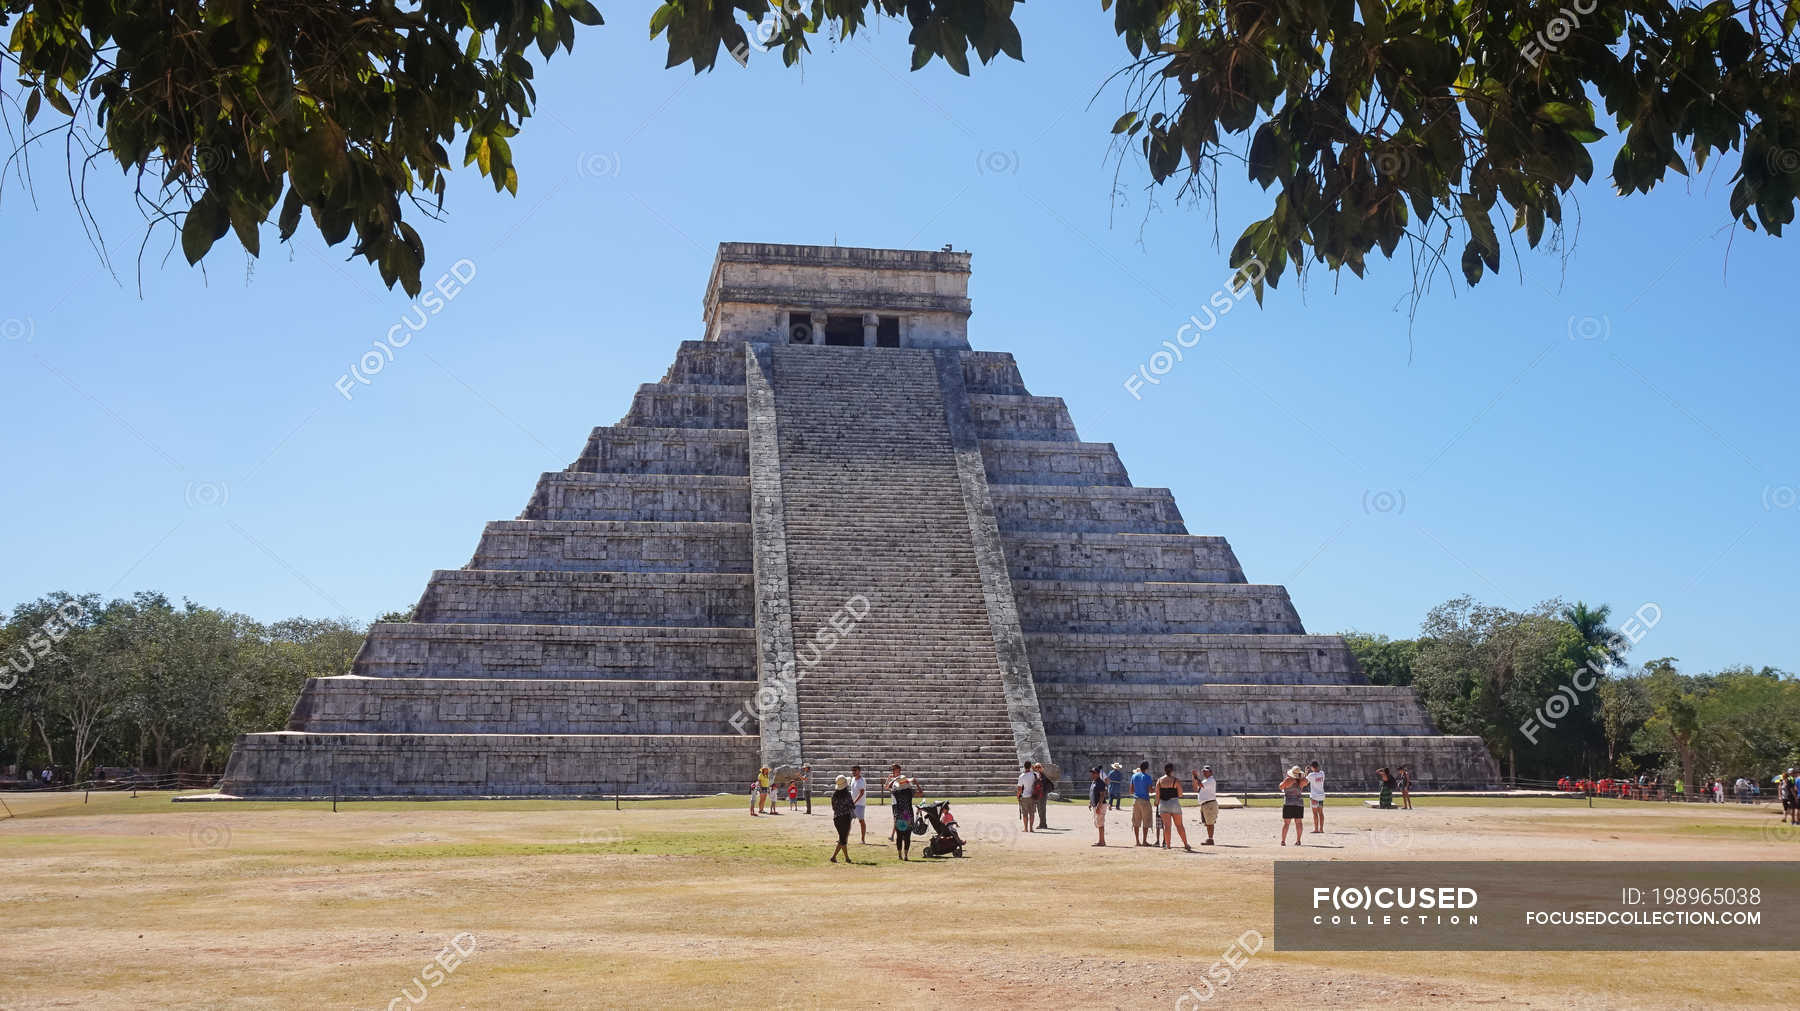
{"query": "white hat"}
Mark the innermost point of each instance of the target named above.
(843, 782)
(1116, 765)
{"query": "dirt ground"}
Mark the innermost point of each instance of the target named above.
(138, 902)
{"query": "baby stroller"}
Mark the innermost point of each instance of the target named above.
(945, 840)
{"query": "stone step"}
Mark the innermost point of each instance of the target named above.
(1190, 658)
(1025, 461)
(1062, 606)
(1094, 557)
(699, 363)
(1036, 419)
(658, 498)
(501, 596)
(613, 545)
(1227, 710)
(319, 766)
(669, 405)
(416, 649)
(1259, 762)
(517, 706)
(626, 449)
(1021, 508)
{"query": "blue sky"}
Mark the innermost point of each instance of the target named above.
(1615, 428)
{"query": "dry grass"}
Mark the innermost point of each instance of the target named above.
(127, 902)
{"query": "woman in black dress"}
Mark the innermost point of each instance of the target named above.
(902, 788)
(842, 812)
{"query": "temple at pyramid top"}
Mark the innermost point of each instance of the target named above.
(838, 295)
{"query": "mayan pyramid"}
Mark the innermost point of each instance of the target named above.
(833, 533)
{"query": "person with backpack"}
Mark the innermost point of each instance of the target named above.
(1143, 813)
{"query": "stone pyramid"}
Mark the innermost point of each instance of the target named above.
(835, 534)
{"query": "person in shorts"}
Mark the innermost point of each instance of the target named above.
(1143, 813)
(1097, 803)
(1292, 786)
(1168, 806)
(859, 795)
(1206, 791)
(1027, 794)
(1315, 785)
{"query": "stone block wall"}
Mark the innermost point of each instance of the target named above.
(1180, 659)
(659, 406)
(416, 650)
(1103, 709)
(492, 706)
(1067, 463)
(1158, 608)
(653, 498)
(488, 596)
(613, 545)
(1178, 558)
(308, 765)
(626, 450)
(1023, 508)
(1035, 419)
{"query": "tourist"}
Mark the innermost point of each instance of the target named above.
(1315, 781)
(895, 777)
(1168, 796)
(859, 795)
(1790, 798)
(1387, 786)
(1115, 784)
(806, 786)
(842, 810)
(1405, 788)
(1718, 791)
(1027, 798)
(763, 781)
(1680, 787)
(1044, 785)
(1098, 803)
(1142, 813)
(902, 789)
(1206, 790)
(1292, 786)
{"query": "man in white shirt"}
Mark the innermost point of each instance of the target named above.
(1027, 802)
(1207, 791)
(859, 792)
(1316, 787)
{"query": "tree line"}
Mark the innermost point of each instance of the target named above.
(142, 682)
(1551, 692)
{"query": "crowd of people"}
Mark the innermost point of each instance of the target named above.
(1157, 802)
(1744, 790)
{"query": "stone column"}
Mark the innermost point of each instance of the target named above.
(870, 323)
(818, 327)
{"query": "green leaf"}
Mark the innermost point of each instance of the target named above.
(1124, 122)
(290, 213)
(57, 101)
(1471, 264)
(202, 227)
(1564, 114)
(36, 99)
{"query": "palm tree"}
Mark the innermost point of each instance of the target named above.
(1602, 642)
